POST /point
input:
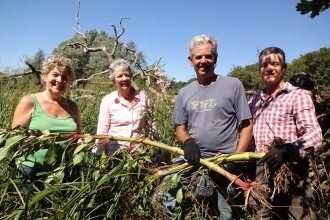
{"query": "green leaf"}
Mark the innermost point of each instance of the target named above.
(179, 195)
(139, 172)
(96, 175)
(4, 151)
(50, 157)
(78, 158)
(14, 139)
(79, 148)
(57, 175)
(2, 140)
(112, 173)
(175, 179)
(89, 139)
(44, 193)
(10, 143)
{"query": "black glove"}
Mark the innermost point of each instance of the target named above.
(233, 167)
(191, 151)
(155, 135)
(278, 155)
(164, 157)
(160, 156)
(155, 156)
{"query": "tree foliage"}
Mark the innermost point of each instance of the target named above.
(248, 75)
(38, 59)
(316, 63)
(86, 64)
(314, 6)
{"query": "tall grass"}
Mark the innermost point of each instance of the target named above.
(81, 185)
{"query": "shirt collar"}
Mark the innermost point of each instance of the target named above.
(285, 89)
(136, 96)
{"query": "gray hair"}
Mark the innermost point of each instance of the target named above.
(121, 64)
(202, 39)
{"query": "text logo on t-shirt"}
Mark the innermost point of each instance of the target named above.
(203, 106)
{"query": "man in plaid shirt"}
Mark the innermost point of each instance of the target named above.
(284, 111)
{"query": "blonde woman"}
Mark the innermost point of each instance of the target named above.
(48, 111)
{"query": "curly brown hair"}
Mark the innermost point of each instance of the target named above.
(63, 64)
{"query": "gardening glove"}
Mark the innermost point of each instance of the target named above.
(164, 157)
(155, 156)
(278, 155)
(191, 151)
(160, 157)
(155, 135)
(233, 167)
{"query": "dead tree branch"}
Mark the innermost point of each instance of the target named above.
(33, 71)
(117, 37)
(84, 42)
(84, 81)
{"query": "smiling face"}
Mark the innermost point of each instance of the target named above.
(271, 69)
(122, 80)
(203, 60)
(56, 81)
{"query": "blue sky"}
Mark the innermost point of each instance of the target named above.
(165, 28)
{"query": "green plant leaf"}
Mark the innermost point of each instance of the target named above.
(179, 195)
(10, 142)
(78, 158)
(89, 139)
(79, 148)
(175, 179)
(57, 175)
(2, 140)
(42, 194)
(96, 175)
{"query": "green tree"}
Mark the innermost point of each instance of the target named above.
(79, 59)
(249, 76)
(314, 6)
(318, 65)
(86, 64)
(38, 59)
(296, 66)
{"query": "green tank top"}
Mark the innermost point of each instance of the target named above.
(42, 121)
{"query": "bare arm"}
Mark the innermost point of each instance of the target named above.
(77, 115)
(245, 136)
(181, 133)
(23, 111)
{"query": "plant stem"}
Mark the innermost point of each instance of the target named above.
(211, 163)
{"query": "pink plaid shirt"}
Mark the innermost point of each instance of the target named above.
(118, 119)
(289, 115)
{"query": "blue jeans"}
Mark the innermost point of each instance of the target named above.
(168, 199)
(26, 175)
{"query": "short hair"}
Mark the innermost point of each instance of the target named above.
(119, 63)
(202, 39)
(63, 64)
(273, 50)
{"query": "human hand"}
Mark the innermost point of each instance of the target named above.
(278, 155)
(232, 167)
(82, 140)
(191, 151)
(155, 135)
(164, 158)
(35, 135)
(160, 156)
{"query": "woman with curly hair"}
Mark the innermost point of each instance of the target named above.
(48, 111)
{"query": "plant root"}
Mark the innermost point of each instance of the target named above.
(256, 197)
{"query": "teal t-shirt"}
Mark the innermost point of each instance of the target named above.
(40, 120)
